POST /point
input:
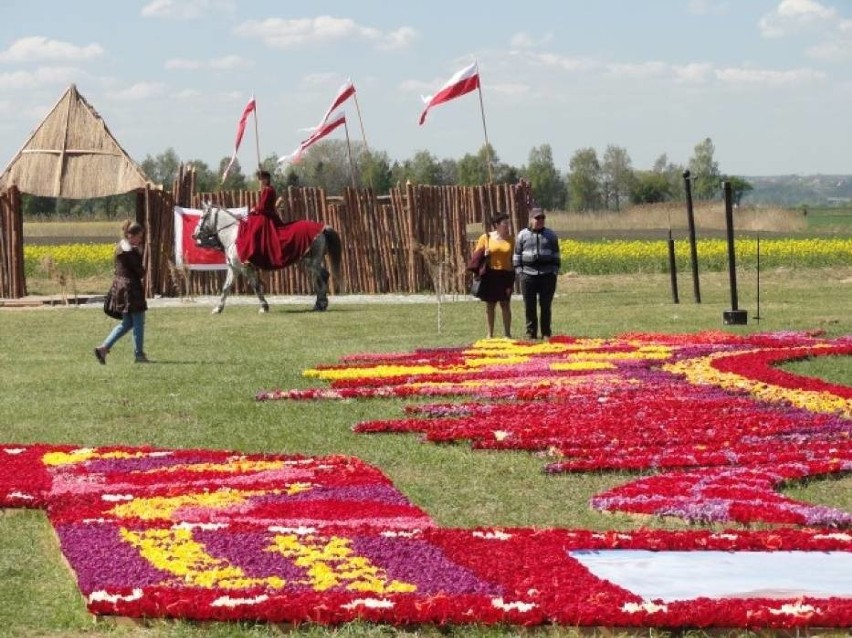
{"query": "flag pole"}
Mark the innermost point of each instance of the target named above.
(349, 150)
(256, 134)
(361, 122)
(485, 130)
(363, 136)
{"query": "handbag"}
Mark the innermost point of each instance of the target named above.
(475, 286)
(108, 307)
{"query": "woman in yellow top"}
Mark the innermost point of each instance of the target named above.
(499, 280)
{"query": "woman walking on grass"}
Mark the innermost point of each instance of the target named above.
(126, 297)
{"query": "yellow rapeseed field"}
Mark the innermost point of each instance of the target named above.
(628, 256)
(591, 257)
(79, 260)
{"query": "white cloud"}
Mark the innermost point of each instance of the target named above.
(695, 72)
(837, 46)
(188, 94)
(691, 73)
(289, 34)
(418, 87)
(229, 62)
(401, 38)
(708, 7)
(320, 79)
(41, 48)
(768, 77)
(139, 91)
(791, 16)
(510, 89)
(185, 9)
(566, 63)
(524, 40)
(641, 70)
(181, 64)
(833, 34)
(43, 76)
(221, 64)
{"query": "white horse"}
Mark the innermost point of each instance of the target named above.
(218, 227)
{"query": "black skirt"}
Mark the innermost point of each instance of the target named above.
(497, 285)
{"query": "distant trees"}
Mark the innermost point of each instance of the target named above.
(739, 187)
(584, 181)
(704, 170)
(473, 170)
(617, 175)
(206, 181)
(163, 168)
(674, 176)
(376, 171)
(423, 168)
(589, 183)
(546, 182)
(649, 187)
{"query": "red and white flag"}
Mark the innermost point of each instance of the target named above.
(241, 129)
(463, 82)
(346, 91)
(331, 122)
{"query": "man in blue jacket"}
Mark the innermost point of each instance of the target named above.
(536, 261)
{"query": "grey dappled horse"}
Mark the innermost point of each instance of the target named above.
(218, 227)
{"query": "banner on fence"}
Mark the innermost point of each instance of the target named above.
(187, 253)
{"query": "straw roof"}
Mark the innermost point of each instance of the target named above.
(73, 155)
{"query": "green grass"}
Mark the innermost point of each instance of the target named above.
(65, 231)
(199, 393)
(830, 221)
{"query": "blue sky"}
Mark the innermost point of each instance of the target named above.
(769, 81)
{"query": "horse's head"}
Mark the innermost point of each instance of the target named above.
(206, 233)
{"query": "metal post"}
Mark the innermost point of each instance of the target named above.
(693, 250)
(673, 268)
(757, 315)
(734, 316)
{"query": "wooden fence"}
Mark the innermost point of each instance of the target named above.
(400, 243)
(414, 240)
(12, 279)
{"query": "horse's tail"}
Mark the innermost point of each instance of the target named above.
(335, 254)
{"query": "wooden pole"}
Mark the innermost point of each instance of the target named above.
(364, 137)
(360, 121)
(256, 134)
(485, 131)
(349, 151)
(693, 250)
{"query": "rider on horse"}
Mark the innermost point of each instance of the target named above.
(257, 242)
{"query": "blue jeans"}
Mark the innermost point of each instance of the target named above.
(134, 320)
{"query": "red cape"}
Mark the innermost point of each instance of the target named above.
(270, 246)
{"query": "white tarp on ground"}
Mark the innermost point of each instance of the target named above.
(671, 576)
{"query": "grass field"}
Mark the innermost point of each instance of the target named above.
(199, 393)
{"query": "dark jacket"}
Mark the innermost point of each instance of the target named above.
(127, 291)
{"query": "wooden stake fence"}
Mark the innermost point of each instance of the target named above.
(13, 283)
(382, 237)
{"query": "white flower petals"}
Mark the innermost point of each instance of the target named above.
(227, 601)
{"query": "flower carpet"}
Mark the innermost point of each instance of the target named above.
(710, 414)
(711, 422)
(212, 535)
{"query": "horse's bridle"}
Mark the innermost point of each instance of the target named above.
(210, 238)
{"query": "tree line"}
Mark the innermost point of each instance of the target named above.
(591, 182)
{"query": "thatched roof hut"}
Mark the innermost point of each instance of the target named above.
(72, 155)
